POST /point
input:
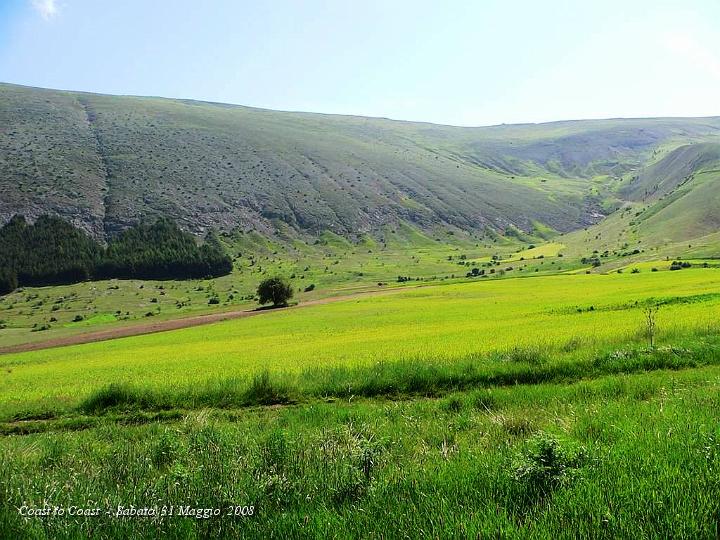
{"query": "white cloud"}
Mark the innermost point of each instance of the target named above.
(694, 52)
(46, 8)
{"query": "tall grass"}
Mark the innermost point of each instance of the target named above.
(403, 379)
(622, 456)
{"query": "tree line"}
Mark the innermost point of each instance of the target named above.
(52, 251)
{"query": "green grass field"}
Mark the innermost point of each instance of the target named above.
(330, 267)
(630, 456)
(439, 323)
(515, 407)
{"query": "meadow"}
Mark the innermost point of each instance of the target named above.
(442, 323)
(327, 266)
(630, 456)
(519, 407)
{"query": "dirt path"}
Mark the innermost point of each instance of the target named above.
(174, 324)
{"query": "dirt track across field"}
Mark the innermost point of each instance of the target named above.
(173, 324)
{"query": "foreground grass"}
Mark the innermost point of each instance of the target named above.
(620, 456)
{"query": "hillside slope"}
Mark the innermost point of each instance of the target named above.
(105, 162)
(670, 208)
(672, 171)
(689, 210)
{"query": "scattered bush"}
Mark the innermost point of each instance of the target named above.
(679, 265)
(41, 328)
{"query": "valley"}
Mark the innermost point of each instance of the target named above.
(506, 331)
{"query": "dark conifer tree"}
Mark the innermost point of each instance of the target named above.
(52, 251)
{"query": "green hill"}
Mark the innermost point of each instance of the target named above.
(105, 162)
(673, 171)
(670, 208)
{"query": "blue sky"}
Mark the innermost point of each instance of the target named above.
(471, 62)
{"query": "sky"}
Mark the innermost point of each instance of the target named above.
(460, 62)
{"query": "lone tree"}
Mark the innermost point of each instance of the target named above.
(275, 290)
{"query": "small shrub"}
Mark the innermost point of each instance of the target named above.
(42, 328)
(547, 463)
(166, 449)
(679, 265)
(651, 324)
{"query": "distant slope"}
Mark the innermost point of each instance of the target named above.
(672, 207)
(106, 162)
(690, 211)
(672, 171)
(592, 147)
(680, 195)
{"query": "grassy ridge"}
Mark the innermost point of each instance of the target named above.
(401, 379)
(392, 380)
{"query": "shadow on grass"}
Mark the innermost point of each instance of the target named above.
(272, 307)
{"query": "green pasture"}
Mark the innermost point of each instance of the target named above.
(626, 456)
(442, 323)
(332, 266)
